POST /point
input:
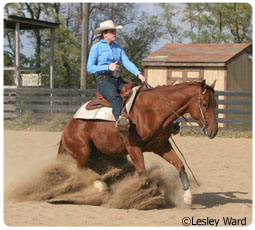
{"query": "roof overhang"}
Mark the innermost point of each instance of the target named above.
(162, 63)
(28, 23)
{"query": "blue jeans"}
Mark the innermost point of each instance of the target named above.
(110, 88)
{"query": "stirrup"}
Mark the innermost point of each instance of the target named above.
(123, 125)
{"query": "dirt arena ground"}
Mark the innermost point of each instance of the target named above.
(223, 167)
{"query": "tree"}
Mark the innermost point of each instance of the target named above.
(238, 17)
(67, 59)
(218, 22)
(167, 21)
(196, 15)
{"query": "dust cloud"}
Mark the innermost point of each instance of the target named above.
(60, 182)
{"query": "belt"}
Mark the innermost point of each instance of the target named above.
(106, 75)
(103, 76)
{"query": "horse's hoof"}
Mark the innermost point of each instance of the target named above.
(187, 197)
(99, 186)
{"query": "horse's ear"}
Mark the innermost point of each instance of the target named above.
(203, 85)
(213, 84)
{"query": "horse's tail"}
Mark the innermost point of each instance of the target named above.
(61, 148)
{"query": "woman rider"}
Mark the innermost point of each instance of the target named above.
(104, 61)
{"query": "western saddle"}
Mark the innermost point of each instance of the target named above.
(100, 101)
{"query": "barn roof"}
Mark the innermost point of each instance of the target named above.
(195, 54)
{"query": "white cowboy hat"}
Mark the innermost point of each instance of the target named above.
(107, 25)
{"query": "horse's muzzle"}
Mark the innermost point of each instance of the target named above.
(209, 132)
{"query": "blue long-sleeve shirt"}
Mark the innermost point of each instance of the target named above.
(102, 55)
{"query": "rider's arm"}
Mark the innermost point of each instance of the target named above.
(128, 64)
(92, 65)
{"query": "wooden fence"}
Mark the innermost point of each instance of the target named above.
(234, 108)
(44, 103)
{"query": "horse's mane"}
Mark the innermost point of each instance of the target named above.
(178, 85)
(183, 84)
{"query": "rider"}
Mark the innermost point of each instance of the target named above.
(104, 60)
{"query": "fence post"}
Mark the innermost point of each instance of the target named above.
(18, 103)
(84, 46)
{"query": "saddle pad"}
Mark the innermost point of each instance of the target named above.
(104, 113)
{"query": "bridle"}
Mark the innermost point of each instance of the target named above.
(204, 122)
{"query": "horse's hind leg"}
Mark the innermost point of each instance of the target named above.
(172, 158)
(61, 148)
(82, 157)
(80, 151)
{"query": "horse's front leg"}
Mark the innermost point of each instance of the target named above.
(172, 158)
(136, 155)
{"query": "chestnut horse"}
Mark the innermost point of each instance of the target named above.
(151, 119)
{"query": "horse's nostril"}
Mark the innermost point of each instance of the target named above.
(212, 134)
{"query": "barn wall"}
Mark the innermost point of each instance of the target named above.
(156, 75)
(240, 74)
(239, 78)
(218, 74)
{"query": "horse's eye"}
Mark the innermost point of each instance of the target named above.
(204, 104)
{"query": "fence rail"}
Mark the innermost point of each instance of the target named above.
(45, 103)
(233, 107)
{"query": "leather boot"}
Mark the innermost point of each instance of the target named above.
(123, 124)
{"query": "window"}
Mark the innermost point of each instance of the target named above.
(184, 74)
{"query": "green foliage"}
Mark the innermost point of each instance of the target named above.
(218, 22)
(167, 21)
(67, 59)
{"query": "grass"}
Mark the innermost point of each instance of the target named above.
(28, 121)
(230, 133)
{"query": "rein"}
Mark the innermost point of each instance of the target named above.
(204, 125)
(176, 114)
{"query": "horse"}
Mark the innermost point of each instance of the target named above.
(151, 124)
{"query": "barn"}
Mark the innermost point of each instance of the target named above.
(229, 64)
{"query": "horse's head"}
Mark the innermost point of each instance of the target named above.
(202, 109)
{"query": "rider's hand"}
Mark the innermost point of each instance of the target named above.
(114, 66)
(141, 77)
